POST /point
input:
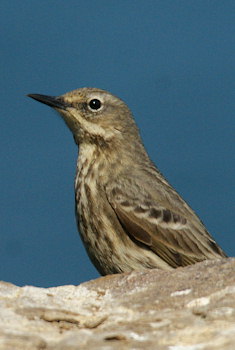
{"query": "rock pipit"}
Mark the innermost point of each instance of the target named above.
(128, 215)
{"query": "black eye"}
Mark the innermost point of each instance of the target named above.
(95, 104)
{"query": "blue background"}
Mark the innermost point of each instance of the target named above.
(173, 62)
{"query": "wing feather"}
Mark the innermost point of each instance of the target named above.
(178, 239)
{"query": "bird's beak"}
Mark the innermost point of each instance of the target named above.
(52, 101)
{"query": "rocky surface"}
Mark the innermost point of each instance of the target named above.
(190, 308)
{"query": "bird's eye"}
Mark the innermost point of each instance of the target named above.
(95, 104)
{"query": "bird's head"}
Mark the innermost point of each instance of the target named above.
(93, 115)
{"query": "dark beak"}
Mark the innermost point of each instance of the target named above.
(52, 101)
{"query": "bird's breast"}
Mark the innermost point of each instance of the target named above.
(89, 195)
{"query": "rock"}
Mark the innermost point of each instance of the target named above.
(191, 308)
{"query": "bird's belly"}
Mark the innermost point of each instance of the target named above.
(110, 249)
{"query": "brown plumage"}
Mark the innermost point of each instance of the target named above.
(128, 215)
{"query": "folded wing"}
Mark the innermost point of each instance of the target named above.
(178, 239)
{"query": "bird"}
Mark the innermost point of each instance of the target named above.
(129, 217)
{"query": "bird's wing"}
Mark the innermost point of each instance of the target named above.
(177, 239)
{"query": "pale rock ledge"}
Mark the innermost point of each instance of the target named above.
(190, 308)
